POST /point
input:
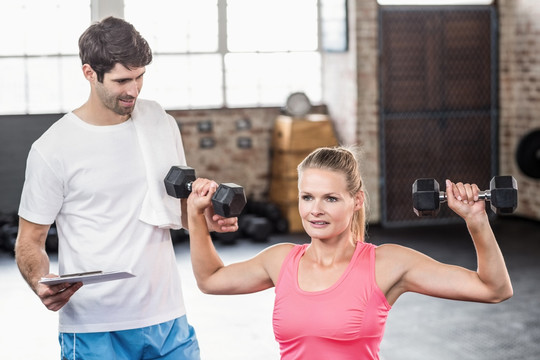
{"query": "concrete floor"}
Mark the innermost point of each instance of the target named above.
(239, 327)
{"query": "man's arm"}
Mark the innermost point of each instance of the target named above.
(183, 216)
(30, 254)
(33, 263)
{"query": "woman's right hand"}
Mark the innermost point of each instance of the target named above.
(200, 198)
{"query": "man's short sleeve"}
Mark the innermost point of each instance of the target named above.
(42, 194)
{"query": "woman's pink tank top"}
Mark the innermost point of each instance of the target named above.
(345, 321)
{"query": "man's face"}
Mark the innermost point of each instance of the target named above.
(120, 88)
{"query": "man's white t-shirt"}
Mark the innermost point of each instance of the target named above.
(91, 180)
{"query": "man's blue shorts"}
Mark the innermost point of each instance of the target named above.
(173, 339)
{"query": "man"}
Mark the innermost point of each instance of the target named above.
(98, 172)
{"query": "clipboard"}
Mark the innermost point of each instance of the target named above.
(90, 277)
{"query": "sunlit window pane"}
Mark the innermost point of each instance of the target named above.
(74, 20)
(256, 79)
(12, 23)
(74, 88)
(57, 31)
(184, 81)
(12, 91)
(333, 18)
(175, 26)
(42, 36)
(43, 85)
(38, 79)
(279, 25)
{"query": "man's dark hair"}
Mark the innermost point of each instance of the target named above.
(112, 41)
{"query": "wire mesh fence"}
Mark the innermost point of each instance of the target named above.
(438, 102)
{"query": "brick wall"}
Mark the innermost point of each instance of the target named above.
(367, 129)
(352, 95)
(226, 159)
(519, 32)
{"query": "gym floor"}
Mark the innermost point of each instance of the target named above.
(419, 327)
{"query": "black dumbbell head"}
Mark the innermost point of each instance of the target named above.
(425, 194)
(177, 180)
(229, 200)
(503, 194)
(258, 228)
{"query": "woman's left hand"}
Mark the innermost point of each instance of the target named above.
(463, 199)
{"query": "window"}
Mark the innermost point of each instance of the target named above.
(39, 63)
(207, 53)
(272, 51)
(214, 53)
(187, 69)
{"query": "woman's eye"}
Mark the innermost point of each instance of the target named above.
(306, 197)
(332, 199)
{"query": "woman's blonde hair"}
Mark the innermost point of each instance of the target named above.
(344, 160)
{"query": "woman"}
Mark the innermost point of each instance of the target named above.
(333, 294)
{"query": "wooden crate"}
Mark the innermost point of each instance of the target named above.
(283, 190)
(292, 140)
(303, 134)
(284, 163)
(290, 212)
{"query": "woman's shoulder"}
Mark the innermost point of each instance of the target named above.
(397, 257)
(281, 249)
(393, 253)
(392, 261)
(273, 257)
(390, 249)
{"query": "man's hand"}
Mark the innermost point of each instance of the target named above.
(54, 297)
(221, 224)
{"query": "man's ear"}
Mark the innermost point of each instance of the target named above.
(89, 73)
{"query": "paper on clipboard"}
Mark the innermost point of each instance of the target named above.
(91, 277)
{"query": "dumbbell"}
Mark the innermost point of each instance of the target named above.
(228, 200)
(502, 195)
(256, 228)
(270, 211)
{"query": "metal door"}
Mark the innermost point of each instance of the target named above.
(438, 102)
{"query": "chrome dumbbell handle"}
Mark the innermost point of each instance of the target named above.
(482, 195)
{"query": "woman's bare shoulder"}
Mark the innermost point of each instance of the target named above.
(273, 257)
(384, 250)
(281, 249)
(395, 257)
